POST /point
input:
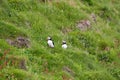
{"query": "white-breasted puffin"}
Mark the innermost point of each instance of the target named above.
(50, 42)
(64, 45)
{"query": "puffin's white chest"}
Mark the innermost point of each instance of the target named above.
(64, 46)
(50, 43)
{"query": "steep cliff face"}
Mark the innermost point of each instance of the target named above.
(90, 29)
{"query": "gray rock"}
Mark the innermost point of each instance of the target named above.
(20, 42)
(84, 25)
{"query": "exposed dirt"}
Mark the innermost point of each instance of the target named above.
(64, 77)
(66, 30)
(116, 43)
(17, 62)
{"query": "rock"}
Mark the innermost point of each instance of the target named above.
(84, 25)
(11, 42)
(20, 42)
(93, 17)
(22, 64)
(68, 70)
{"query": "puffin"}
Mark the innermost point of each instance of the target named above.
(64, 45)
(50, 42)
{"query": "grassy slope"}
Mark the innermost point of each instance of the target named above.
(38, 20)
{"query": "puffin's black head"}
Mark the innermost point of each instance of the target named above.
(64, 42)
(49, 38)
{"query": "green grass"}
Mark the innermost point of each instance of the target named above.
(91, 55)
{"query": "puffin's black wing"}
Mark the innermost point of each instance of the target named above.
(53, 43)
